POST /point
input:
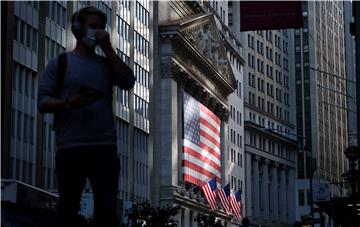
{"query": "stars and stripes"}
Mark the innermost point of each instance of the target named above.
(224, 195)
(235, 202)
(209, 189)
(201, 148)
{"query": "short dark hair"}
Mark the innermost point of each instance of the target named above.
(82, 14)
(245, 222)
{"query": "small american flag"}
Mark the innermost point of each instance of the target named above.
(201, 151)
(224, 195)
(235, 201)
(209, 190)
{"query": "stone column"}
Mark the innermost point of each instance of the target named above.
(186, 217)
(274, 203)
(256, 192)
(283, 195)
(248, 185)
(166, 120)
(291, 195)
(265, 190)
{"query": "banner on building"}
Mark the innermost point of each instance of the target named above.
(201, 143)
(270, 15)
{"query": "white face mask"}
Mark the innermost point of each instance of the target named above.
(90, 39)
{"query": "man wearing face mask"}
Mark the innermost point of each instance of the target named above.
(81, 101)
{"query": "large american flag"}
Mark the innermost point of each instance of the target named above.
(224, 195)
(201, 153)
(209, 190)
(235, 201)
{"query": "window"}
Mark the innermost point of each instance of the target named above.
(232, 155)
(301, 197)
(21, 77)
(16, 28)
(19, 124)
(27, 77)
(34, 40)
(13, 123)
(239, 89)
(230, 18)
(32, 130)
(22, 32)
(308, 196)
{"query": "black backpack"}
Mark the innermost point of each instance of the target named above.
(61, 70)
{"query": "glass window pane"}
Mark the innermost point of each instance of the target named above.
(59, 16)
(63, 16)
(27, 76)
(25, 133)
(53, 10)
(33, 80)
(22, 31)
(16, 28)
(14, 76)
(13, 123)
(19, 126)
(20, 78)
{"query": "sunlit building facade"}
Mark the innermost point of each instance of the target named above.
(269, 123)
(148, 117)
(321, 97)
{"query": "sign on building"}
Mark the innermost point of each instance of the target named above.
(321, 192)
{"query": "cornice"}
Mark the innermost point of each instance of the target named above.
(288, 124)
(254, 127)
(211, 80)
(200, 92)
(189, 56)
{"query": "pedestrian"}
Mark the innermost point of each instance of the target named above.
(77, 88)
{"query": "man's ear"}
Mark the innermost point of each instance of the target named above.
(77, 29)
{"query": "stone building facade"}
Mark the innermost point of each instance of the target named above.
(199, 67)
(269, 123)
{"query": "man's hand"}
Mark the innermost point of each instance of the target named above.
(81, 100)
(124, 76)
(103, 39)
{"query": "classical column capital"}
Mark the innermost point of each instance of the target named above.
(224, 114)
(266, 161)
(276, 165)
(257, 158)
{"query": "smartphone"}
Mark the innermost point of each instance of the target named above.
(83, 89)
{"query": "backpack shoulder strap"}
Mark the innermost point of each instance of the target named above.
(61, 70)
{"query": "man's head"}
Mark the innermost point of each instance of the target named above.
(245, 222)
(85, 19)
